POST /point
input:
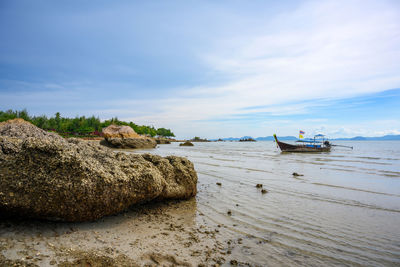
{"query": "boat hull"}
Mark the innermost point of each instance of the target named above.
(284, 147)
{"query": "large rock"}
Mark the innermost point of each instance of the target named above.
(115, 131)
(125, 137)
(187, 143)
(43, 175)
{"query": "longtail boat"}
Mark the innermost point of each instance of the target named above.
(318, 144)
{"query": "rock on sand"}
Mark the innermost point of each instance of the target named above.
(43, 175)
(187, 143)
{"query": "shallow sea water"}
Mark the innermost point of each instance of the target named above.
(344, 210)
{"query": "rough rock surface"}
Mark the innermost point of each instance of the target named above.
(19, 128)
(187, 143)
(43, 175)
(145, 142)
(125, 137)
(163, 141)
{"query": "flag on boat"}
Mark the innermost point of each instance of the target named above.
(301, 134)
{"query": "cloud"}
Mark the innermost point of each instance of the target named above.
(370, 129)
(324, 49)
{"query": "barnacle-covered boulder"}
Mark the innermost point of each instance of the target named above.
(43, 175)
(125, 137)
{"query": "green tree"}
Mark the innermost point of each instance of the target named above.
(57, 121)
(23, 114)
(165, 132)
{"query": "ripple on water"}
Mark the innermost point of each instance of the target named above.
(345, 210)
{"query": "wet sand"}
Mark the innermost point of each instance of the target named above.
(155, 234)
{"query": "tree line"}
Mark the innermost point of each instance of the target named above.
(80, 126)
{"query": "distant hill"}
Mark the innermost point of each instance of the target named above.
(228, 139)
(271, 138)
(292, 138)
(381, 138)
(266, 138)
(390, 137)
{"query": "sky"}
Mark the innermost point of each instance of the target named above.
(207, 68)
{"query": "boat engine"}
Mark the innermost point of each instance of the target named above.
(327, 144)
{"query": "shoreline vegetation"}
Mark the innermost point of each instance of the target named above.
(198, 139)
(249, 139)
(81, 126)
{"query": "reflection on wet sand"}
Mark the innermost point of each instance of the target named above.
(172, 233)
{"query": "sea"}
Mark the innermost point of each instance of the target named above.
(342, 209)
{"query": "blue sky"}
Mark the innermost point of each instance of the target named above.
(207, 68)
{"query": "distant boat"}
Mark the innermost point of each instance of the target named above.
(318, 144)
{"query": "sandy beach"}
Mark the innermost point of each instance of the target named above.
(156, 234)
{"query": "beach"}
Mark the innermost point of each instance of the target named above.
(157, 234)
(342, 209)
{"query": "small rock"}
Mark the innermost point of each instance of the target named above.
(259, 185)
(264, 191)
(296, 174)
(229, 212)
(234, 262)
(163, 141)
(219, 184)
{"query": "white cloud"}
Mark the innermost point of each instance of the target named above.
(370, 128)
(324, 49)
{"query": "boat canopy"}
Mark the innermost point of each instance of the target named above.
(319, 135)
(308, 141)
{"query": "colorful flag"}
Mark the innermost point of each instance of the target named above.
(301, 134)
